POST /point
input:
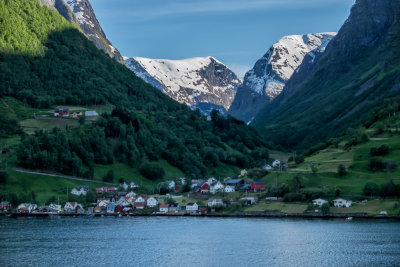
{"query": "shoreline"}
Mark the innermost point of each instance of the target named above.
(216, 215)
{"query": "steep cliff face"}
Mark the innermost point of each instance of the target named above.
(270, 73)
(355, 74)
(203, 83)
(62, 8)
(90, 26)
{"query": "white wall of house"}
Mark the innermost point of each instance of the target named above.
(192, 208)
(319, 202)
(152, 202)
(340, 202)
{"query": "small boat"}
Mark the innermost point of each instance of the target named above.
(349, 218)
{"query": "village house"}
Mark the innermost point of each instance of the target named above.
(119, 208)
(5, 205)
(267, 167)
(216, 187)
(196, 182)
(73, 207)
(237, 183)
(111, 207)
(78, 191)
(320, 201)
(203, 211)
(215, 202)
(140, 203)
(75, 115)
(127, 210)
(131, 194)
(174, 207)
(133, 185)
(202, 188)
(192, 208)
(164, 208)
(276, 164)
(229, 189)
(342, 202)
(97, 209)
(177, 188)
(211, 180)
(245, 187)
(271, 199)
(55, 207)
(249, 200)
(257, 186)
(243, 173)
(170, 185)
(91, 113)
(124, 185)
(26, 207)
(61, 112)
(123, 201)
(152, 202)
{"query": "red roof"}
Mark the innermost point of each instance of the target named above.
(204, 186)
(164, 206)
(139, 204)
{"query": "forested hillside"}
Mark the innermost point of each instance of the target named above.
(45, 61)
(359, 69)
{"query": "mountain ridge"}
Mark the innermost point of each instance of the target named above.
(266, 80)
(197, 82)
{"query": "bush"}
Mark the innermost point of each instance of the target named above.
(3, 177)
(380, 151)
(290, 197)
(299, 159)
(371, 189)
(109, 176)
(325, 208)
(341, 170)
(152, 171)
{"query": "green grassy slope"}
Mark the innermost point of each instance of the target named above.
(352, 77)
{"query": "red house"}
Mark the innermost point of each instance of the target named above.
(257, 186)
(61, 112)
(204, 188)
(177, 188)
(5, 205)
(119, 208)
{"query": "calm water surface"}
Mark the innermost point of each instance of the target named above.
(182, 241)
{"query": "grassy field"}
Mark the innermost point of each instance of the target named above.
(43, 186)
(283, 207)
(372, 207)
(46, 123)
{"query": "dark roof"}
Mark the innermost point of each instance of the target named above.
(259, 182)
(174, 205)
(234, 181)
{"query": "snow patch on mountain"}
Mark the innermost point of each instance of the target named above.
(190, 81)
(270, 73)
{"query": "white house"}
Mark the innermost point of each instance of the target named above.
(216, 187)
(320, 201)
(73, 207)
(123, 201)
(192, 208)
(276, 163)
(131, 194)
(164, 208)
(152, 202)
(78, 191)
(140, 203)
(215, 202)
(171, 184)
(267, 167)
(55, 207)
(124, 185)
(26, 207)
(229, 189)
(133, 185)
(342, 202)
(103, 202)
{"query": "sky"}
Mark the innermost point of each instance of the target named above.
(236, 32)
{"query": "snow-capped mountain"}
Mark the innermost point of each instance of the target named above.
(270, 73)
(200, 82)
(90, 26)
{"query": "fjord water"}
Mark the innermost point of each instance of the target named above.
(182, 241)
